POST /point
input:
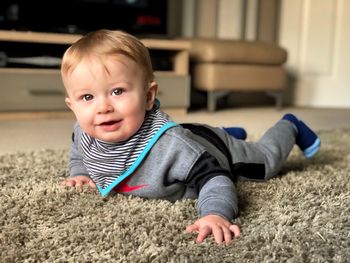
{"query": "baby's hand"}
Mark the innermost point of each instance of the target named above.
(222, 229)
(78, 181)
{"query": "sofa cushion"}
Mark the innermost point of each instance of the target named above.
(210, 76)
(236, 51)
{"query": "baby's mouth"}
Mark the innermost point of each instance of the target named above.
(110, 125)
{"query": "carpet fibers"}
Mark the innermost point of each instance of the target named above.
(301, 216)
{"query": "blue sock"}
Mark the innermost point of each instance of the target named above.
(306, 139)
(237, 132)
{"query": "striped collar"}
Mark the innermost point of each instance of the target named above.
(110, 163)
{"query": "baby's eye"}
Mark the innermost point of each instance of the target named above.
(117, 91)
(87, 97)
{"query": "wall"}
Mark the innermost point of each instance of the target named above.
(231, 19)
(316, 34)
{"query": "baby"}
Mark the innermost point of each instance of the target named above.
(123, 142)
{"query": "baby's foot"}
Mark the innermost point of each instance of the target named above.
(237, 132)
(306, 139)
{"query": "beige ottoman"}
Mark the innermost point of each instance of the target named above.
(223, 66)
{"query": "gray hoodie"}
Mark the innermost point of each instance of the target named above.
(180, 164)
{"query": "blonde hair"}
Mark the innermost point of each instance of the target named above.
(107, 42)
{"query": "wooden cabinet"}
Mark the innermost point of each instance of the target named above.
(28, 88)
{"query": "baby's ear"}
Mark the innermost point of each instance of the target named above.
(151, 94)
(68, 102)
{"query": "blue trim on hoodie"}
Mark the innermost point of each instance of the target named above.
(133, 167)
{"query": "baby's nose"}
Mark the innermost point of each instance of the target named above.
(104, 106)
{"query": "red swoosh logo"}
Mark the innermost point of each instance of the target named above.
(123, 186)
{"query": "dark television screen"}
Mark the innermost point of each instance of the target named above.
(139, 17)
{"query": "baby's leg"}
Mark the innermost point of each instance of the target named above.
(264, 159)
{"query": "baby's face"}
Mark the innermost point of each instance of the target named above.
(109, 100)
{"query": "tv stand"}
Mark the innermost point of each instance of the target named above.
(40, 89)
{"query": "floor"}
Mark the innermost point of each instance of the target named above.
(25, 133)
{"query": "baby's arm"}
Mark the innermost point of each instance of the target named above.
(217, 200)
(217, 204)
(78, 173)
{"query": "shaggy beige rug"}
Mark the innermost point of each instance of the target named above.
(301, 216)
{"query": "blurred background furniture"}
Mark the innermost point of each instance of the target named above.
(220, 66)
(31, 81)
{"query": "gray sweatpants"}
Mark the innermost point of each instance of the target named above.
(263, 159)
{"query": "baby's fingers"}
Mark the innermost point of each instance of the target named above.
(219, 234)
(203, 233)
(192, 228)
(235, 230)
(227, 235)
(92, 184)
(69, 183)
